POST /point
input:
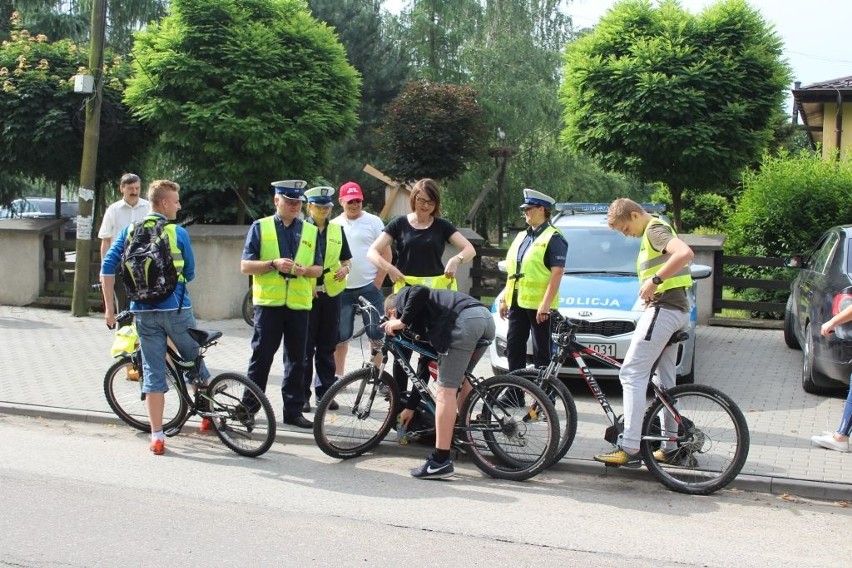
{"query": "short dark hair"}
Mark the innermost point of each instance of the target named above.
(127, 179)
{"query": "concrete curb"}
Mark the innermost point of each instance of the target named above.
(754, 483)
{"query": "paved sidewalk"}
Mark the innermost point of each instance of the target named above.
(53, 364)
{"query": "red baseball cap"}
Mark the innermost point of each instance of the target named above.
(349, 191)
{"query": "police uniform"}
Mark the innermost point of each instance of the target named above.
(324, 320)
(529, 261)
(282, 301)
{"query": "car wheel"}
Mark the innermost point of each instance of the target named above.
(789, 330)
(689, 378)
(808, 383)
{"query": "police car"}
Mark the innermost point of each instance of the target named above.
(600, 286)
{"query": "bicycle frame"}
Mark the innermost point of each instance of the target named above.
(563, 335)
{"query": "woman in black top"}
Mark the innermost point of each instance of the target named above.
(420, 238)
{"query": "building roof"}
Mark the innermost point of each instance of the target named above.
(809, 102)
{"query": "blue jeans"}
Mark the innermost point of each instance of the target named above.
(348, 301)
(153, 327)
(845, 427)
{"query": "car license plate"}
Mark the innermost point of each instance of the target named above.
(605, 348)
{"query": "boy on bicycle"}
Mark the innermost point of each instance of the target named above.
(454, 323)
(663, 270)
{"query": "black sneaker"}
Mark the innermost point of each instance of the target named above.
(434, 470)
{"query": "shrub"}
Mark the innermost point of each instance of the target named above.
(784, 208)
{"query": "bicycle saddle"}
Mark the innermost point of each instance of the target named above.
(204, 338)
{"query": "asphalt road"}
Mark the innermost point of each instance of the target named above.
(80, 494)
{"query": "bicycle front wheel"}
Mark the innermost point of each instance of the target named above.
(123, 391)
(367, 406)
(510, 428)
(563, 402)
(713, 440)
(241, 414)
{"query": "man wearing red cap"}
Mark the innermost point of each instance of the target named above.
(361, 230)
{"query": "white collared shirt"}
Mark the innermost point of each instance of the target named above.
(121, 214)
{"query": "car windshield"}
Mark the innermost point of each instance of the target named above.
(599, 249)
(69, 209)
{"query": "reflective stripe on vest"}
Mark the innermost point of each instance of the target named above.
(649, 262)
(171, 230)
(331, 261)
(275, 289)
(532, 279)
(439, 282)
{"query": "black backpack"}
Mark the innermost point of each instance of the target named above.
(148, 269)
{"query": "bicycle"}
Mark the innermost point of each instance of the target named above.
(506, 439)
(707, 428)
(239, 411)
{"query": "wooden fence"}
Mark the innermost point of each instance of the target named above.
(59, 266)
(722, 280)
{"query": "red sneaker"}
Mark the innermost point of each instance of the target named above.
(206, 425)
(158, 447)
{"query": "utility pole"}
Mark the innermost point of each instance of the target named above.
(89, 163)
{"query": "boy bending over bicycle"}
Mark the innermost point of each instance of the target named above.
(454, 323)
(663, 270)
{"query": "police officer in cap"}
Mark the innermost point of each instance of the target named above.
(535, 263)
(325, 311)
(282, 255)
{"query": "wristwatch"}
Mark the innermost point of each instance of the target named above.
(657, 280)
(271, 265)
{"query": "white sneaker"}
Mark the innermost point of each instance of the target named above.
(827, 441)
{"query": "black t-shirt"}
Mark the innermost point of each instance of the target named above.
(419, 251)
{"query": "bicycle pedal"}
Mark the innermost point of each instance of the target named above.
(172, 431)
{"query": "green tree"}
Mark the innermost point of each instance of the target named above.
(41, 132)
(435, 32)
(432, 130)
(244, 91)
(665, 96)
(70, 19)
(367, 35)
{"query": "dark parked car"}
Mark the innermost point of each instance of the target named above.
(821, 289)
(44, 208)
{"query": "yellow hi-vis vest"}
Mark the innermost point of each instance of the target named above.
(331, 261)
(439, 282)
(649, 262)
(276, 289)
(532, 278)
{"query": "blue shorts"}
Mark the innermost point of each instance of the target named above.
(348, 301)
(153, 327)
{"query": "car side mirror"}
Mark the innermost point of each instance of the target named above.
(700, 271)
(795, 261)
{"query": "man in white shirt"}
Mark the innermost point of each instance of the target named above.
(361, 229)
(129, 209)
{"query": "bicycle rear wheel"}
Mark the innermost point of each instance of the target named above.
(123, 391)
(713, 445)
(563, 402)
(367, 405)
(509, 439)
(248, 308)
(241, 414)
